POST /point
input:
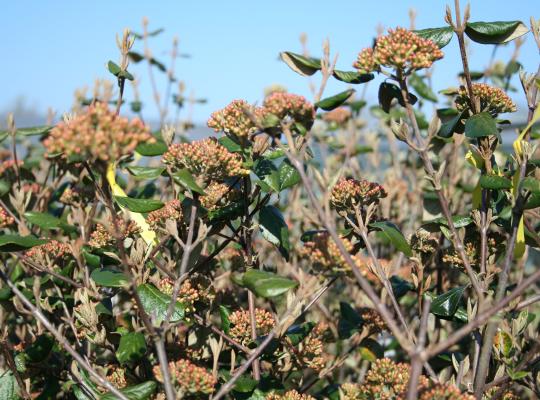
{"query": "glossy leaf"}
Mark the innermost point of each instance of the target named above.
(349, 321)
(152, 149)
(275, 229)
(11, 242)
(109, 278)
(139, 205)
(297, 333)
(481, 125)
(142, 391)
(300, 64)
(451, 126)
(47, 221)
(389, 92)
(446, 304)
(420, 86)
(497, 32)
(184, 178)
(156, 303)
(352, 76)
(224, 313)
(440, 36)
(532, 185)
(335, 101)
(267, 284)
(495, 182)
(143, 173)
(288, 175)
(394, 235)
(132, 347)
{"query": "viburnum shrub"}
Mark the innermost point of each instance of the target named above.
(311, 248)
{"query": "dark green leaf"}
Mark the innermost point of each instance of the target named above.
(245, 384)
(132, 347)
(9, 243)
(308, 236)
(34, 131)
(422, 88)
(230, 144)
(184, 178)
(266, 284)
(142, 391)
(349, 321)
(224, 315)
(440, 36)
(152, 149)
(389, 92)
(446, 304)
(156, 303)
(451, 126)
(40, 349)
(394, 235)
(139, 205)
(297, 333)
(495, 32)
(275, 229)
(269, 174)
(531, 184)
(8, 386)
(400, 286)
(352, 76)
(300, 64)
(495, 182)
(481, 125)
(288, 175)
(333, 102)
(143, 173)
(113, 68)
(109, 278)
(47, 221)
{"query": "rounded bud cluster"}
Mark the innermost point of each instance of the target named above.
(188, 377)
(311, 350)
(492, 99)
(233, 257)
(117, 376)
(102, 237)
(350, 193)
(5, 219)
(205, 158)
(171, 210)
(288, 105)
(372, 320)
(194, 292)
(324, 255)
(472, 247)
(443, 392)
(241, 324)
(218, 195)
(338, 116)
(98, 134)
(52, 250)
(401, 49)
(234, 119)
(290, 395)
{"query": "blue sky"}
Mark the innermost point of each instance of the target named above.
(49, 48)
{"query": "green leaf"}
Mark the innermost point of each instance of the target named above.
(224, 313)
(40, 349)
(5, 187)
(451, 126)
(139, 205)
(349, 321)
(266, 284)
(143, 173)
(269, 175)
(142, 391)
(300, 64)
(370, 350)
(288, 175)
(132, 347)
(394, 235)
(389, 92)
(400, 286)
(481, 125)
(9, 243)
(245, 384)
(440, 36)
(495, 182)
(297, 333)
(113, 68)
(230, 144)
(460, 221)
(8, 386)
(47, 221)
(446, 304)
(308, 235)
(109, 278)
(275, 229)
(422, 88)
(352, 76)
(497, 32)
(531, 184)
(333, 102)
(152, 149)
(184, 178)
(156, 303)
(33, 131)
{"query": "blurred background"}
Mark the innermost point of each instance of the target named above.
(228, 50)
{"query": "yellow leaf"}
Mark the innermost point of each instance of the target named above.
(519, 248)
(477, 196)
(474, 159)
(148, 235)
(518, 148)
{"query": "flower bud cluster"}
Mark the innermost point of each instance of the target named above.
(234, 119)
(5, 219)
(401, 49)
(171, 210)
(311, 350)
(241, 324)
(52, 250)
(194, 292)
(492, 99)
(218, 195)
(472, 247)
(350, 193)
(290, 395)
(188, 377)
(288, 105)
(372, 320)
(205, 158)
(97, 134)
(117, 376)
(234, 257)
(102, 236)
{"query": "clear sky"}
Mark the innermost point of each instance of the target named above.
(49, 48)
